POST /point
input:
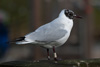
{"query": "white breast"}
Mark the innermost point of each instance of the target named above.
(63, 40)
(68, 28)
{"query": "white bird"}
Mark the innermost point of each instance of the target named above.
(52, 34)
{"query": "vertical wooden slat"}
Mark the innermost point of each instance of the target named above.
(35, 23)
(89, 28)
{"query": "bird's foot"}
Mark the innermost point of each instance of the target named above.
(57, 59)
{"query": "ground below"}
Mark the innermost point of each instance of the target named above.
(51, 63)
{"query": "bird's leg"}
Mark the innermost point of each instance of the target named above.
(48, 56)
(55, 55)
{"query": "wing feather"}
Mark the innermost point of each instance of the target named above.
(48, 32)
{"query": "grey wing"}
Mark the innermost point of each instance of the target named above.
(47, 33)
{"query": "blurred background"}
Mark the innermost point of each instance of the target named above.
(19, 17)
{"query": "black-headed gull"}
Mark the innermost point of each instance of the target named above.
(52, 34)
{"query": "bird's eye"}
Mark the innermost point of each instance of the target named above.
(70, 14)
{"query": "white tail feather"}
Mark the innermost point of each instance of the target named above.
(23, 42)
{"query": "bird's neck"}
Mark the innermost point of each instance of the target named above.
(66, 21)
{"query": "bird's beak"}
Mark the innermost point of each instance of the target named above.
(77, 16)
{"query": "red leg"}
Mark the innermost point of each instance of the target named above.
(48, 56)
(55, 55)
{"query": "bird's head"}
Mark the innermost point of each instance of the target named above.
(70, 14)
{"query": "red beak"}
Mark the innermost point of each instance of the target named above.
(77, 16)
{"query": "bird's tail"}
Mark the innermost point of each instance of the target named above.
(20, 40)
